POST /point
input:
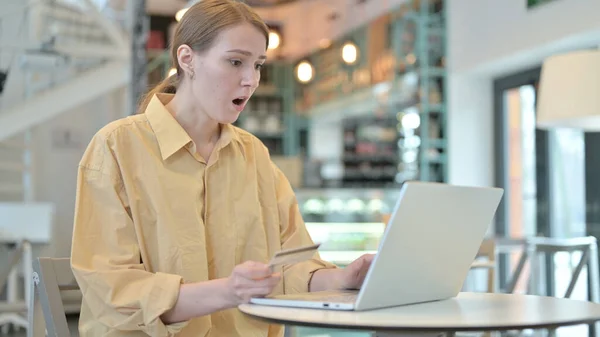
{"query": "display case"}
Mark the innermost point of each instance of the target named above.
(347, 222)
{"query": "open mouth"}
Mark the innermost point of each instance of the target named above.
(239, 101)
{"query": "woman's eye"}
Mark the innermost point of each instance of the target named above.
(236, 63)
(259, 66)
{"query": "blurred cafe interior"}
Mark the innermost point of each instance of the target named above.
(356, 98)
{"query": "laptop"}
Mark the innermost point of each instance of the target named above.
(432, 238)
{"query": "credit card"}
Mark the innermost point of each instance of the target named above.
(294, 255)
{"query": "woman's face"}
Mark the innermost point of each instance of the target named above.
(226, 75)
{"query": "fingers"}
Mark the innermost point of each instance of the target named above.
(247, 295)
(242, 282)
(246, 289)
(363, 272)
(363, 262)
(252, 279)
(269, 282)
(254, 270)
(368, 258)
(355, 273)
(263, 287)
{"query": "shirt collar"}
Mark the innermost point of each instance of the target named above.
(228, 134)
(171, 136)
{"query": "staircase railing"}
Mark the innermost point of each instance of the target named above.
(66, 41)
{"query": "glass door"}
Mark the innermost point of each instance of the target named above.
(521, 168)
(543, 173)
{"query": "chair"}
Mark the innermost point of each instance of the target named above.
(22, 225)
(586, 245)
(47, 312)
(535, 246)
(491, 249)
(507, 246)
(14, 311)
(487, 250)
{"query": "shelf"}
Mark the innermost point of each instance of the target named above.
(432, 108)
(264, 134)
(304, 194)
(343, 257)
(342, 227)
(433, 71)
(407, 64)
(380, 158)
(440, 159)
(437, 143)
(267, 90)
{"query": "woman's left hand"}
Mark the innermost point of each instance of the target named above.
(353, 275)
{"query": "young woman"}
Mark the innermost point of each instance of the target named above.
(178, 211)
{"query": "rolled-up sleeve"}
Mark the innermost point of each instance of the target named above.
(106, 260)
(296, 278)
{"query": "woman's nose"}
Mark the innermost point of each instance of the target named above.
(251, 79)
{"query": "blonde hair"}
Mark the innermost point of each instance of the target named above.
(199, 28)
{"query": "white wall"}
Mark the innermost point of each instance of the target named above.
(470, 124)
(55, 165)
(485, 32)
(56, 160)
(489, 39)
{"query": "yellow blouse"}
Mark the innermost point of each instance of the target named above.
(152, 214)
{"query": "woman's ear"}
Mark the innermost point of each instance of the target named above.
(185, 59)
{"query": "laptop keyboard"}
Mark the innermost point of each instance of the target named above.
(339, 298)
(324, 296)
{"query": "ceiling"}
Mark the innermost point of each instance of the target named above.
(305, 23)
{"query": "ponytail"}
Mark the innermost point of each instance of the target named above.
(167, 86)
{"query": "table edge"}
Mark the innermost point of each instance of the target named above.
(422, 329)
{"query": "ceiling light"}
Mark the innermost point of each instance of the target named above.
(411, 121)
(349, 53)
(274, 40)
(304, 72)
(180, 13)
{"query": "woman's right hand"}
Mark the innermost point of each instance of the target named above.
(251, 279)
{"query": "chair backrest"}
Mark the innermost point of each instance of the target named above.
(488, 250)
(50, 277)
(554, 245)
(587, 245)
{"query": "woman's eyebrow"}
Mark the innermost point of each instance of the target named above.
(245, 52)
